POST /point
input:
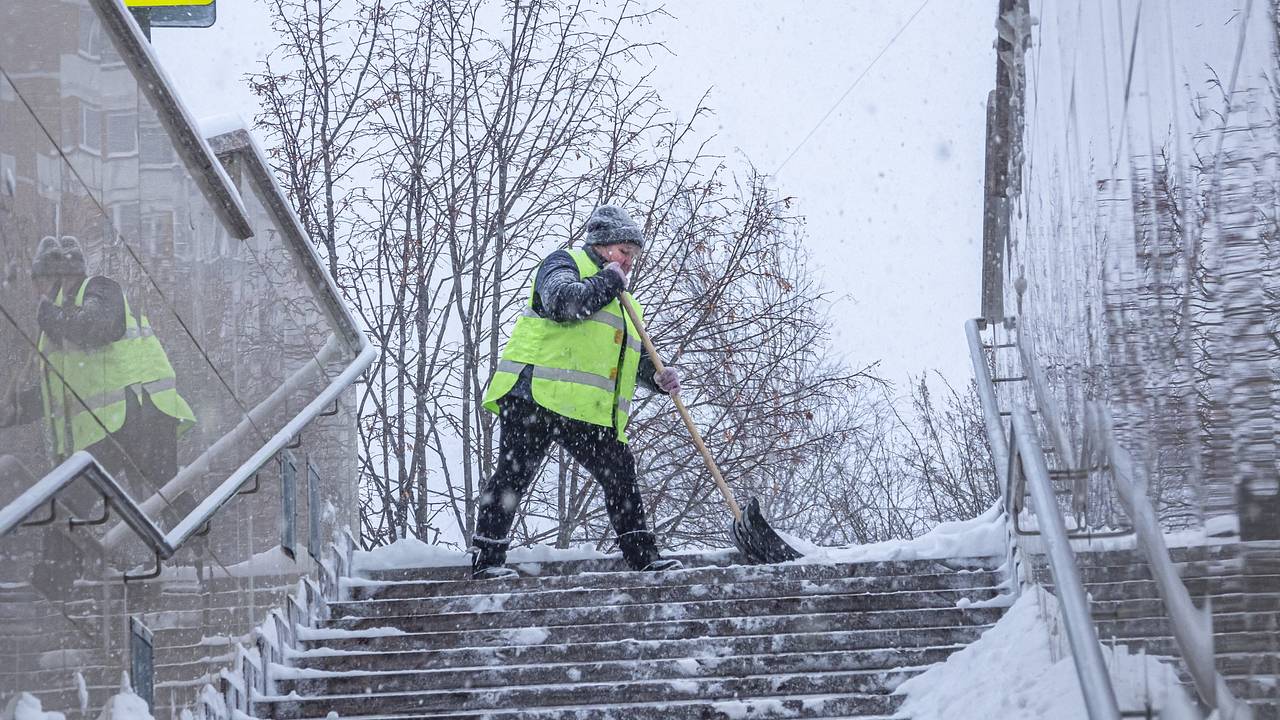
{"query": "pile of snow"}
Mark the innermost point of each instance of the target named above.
(1011, 671)
(983, 536)
(125, 705)
(25, 706)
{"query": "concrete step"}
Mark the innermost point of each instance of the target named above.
(1179, 555)
(938, 578)
(631, 582)
(1158, 627)
(1195, 570)
(705, 563)
(1250, 664)
(366, 655)
(1223, 643)
(612, 563)
(874, 686)
(812, 707)
(1254, 688)
(345, 681)
(1225, 604)
(1197, 587)
(412, 619)
(380, 599)
(409, 636)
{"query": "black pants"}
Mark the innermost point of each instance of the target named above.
(142, 455)
(144, 449)
(527, 430)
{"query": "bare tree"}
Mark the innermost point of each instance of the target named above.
(438, 149)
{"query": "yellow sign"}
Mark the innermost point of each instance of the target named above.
(166, 3)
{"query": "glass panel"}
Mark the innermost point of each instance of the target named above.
(1144, 201)
(84, 155)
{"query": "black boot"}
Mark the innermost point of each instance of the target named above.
(639, 549)
(663, 565)
(488, 561)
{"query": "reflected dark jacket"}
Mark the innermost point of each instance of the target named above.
(99, 321)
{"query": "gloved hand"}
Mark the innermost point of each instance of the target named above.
(668, 380)
(51, 318)
(616, 269)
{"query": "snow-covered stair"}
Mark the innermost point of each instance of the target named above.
(1241, 583)
(586, 639)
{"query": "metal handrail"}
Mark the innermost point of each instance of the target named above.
(1019, 458)
(1192, 628)
(82, 465)
(990, 404)
(1027, 458)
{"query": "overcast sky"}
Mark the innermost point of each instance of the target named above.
(890, 183)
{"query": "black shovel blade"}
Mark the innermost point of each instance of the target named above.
(757, 541)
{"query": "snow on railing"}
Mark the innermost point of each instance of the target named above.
(271, 645)
(1020, 457)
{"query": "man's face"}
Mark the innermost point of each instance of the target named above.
(624, 254)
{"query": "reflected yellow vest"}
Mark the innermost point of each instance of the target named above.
(585, 369)
(93, 382)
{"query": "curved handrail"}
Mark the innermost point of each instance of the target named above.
(82, 465)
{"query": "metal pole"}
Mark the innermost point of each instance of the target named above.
(990, 407)
(1095, 681)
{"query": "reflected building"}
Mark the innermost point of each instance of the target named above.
(165, 573)
(1130, 242)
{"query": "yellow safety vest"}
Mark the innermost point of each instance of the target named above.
(584, 369)
(93, 382)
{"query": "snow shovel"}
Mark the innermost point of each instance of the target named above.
(751, 533)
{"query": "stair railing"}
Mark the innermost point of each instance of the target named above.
(1192, 627)
(1021, 466)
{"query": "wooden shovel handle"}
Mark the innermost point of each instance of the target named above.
(684, 412)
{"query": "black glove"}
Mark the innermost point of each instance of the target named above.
(52, 319)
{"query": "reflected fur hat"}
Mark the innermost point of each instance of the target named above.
(610, 224)
(58, 258)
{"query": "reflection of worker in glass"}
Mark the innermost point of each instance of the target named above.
(103, 362)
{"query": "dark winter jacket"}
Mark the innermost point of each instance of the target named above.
(560, 294)
(99, 321)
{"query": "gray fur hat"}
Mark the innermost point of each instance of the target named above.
(610, 224)
(58, 258)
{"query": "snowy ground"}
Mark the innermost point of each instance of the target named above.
(1015, 670)
(983, 536)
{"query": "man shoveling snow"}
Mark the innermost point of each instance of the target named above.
(567, 375)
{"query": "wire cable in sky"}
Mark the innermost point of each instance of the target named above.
(853, 85)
